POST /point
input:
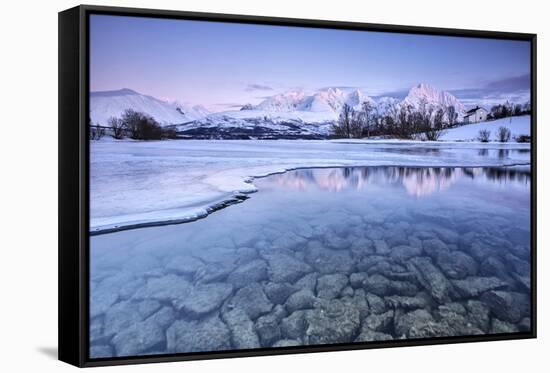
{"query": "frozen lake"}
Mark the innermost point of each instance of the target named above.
(326, 255)
(139, 183)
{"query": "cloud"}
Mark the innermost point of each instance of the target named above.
(257, 87)
(516, 83)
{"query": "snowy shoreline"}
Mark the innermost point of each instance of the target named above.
(135, 185)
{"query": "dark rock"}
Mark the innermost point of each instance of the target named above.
(309, 281)
(203, 299)
(502, 305)
(278, 293)
(402, 253)
(268, 329)
(210, 334)
(357, 279)
(521, 267)
(294, 325)
(301, 299)
(285, 268)
(370, 261)
(368, 335)
(376, 303)
(287, 343)
(254, 271)
(381, 286)
(478, 314)
(330, 286)
(332, 322)
(431, 278)
(164, 317)
(166, 288)
(499, 326)
(347, 292)
(243, 335)
(433, 247)
(525, 324)
(472, 287)
(139, 338)
(456, 264)
(413, 323)
(379, 322)
(421, 300)
(214, 272)
(252, 300)
(328, 261)
(121, 316)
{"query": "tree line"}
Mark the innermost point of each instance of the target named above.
(401, 121)
(135, 125)
(509, 109)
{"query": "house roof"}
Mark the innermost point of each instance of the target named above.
(472, 111)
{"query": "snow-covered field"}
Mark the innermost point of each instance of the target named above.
(517, 125)
(135, 183)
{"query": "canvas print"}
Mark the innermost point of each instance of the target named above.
(265, 186)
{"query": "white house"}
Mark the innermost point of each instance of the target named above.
(477, 114)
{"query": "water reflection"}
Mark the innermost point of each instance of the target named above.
(417, 181)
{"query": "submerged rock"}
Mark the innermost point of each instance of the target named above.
(287, 343)
(327, 261)
(278, 293)
(472, 287)
(478, 314)
(242, 330)
(332, 322)
(431, 278)
(184, 265)
(382, 286)
(330, 286)
(502, 304)
(285, 268)
(379, 322)
(167, 288)
(294, 325)
(139, 338)
(376, 303)
(210, 334)
(367, 335)
(499, 326)
(456, 264)
(301, 299)
(268, 327)
(252, 300)
(203, 299)
(254, 271)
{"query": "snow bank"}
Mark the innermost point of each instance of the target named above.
(518, 126)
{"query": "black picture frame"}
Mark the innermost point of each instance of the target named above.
(74, 182)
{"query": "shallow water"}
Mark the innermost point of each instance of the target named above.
(317, 256)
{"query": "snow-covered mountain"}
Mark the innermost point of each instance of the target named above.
(432, 96)
(106, 104)
(293, 114)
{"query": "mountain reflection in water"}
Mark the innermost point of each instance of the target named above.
(419, 181)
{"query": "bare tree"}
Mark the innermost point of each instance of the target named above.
(117, 126)
(503, 134)
(452, 116)
(484, 135)
(434, 128)
(141, 126)
(343, 126)
(367, 116)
